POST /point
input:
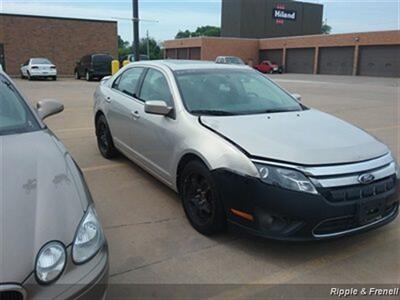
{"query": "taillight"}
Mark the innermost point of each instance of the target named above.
(34, 67)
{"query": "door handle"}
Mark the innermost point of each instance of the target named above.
(135, 115)
(108, 99)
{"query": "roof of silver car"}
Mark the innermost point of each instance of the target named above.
(177, 64)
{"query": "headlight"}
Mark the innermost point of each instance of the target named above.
(89, 238)
(50, 262)
(286, 178)
(397, 166)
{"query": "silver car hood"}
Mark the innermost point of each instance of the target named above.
(39, 200)
(309, 137)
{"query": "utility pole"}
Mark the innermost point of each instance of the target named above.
(135, 48)
(148, 45)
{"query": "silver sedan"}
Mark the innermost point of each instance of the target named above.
(241, 150)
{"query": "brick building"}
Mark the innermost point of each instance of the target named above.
(62, 40)
(368, 53)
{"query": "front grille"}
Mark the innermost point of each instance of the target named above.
(348, 223)
(358, 192)
(11, 295)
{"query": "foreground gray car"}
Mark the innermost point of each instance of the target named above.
(238, 148)
(51, 242)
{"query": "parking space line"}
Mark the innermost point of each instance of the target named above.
(73, 129)
(102, 167)
(384, 128)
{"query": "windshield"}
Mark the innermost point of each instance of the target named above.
(234, 61)
(40, 61)
(15, 116)
(232, 92)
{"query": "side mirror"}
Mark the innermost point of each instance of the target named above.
(157, 108)
(297, 97)
(47, 108)
(78, 62)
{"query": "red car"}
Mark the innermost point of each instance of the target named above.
(267, 67)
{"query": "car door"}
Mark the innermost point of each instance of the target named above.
(123, 107)
(154, 136)
(82, 66)
(79, 66)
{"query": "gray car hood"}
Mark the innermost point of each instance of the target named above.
(309, 137)
(39, 200)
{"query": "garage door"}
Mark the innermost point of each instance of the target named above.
(379, 61)
(171, 53)
(274, 56)
(300, 60)
(183, 53)
(336, 60)
(195, 53)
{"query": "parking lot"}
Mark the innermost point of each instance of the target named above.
(150, 239)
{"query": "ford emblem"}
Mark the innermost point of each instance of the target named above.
(366, 178)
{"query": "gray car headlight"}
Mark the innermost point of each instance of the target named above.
(286, 178)
(89, 238)
(50, 262)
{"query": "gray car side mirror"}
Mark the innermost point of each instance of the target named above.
(157, 107)
(47, 108)
(297, 97)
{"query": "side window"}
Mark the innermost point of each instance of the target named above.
(127, 82)
(155, 87)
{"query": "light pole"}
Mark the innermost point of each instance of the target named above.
(135, 46)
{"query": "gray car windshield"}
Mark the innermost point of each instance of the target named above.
(15, 116)
(232, 92)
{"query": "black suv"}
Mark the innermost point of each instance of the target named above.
(93, 66)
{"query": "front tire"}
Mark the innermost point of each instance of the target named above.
(54, 78)
(104, 138)
(200, 198)
(29, 76)
(88, 76)
(77, 76)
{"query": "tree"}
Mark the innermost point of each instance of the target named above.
(154, 48)
(326, 29)
(125, 48)
(200, 31)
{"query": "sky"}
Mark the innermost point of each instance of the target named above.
(164, 18)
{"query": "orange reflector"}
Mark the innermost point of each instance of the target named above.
(242, 214)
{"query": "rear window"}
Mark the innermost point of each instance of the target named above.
(40, 61)
(102, 58)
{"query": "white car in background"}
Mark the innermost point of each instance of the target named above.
(38, 68)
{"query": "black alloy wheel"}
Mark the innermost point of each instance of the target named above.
(200, 199)
(104, 139)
